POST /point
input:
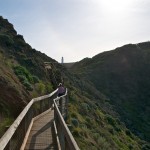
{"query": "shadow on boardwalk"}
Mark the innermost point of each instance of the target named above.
(42, 135)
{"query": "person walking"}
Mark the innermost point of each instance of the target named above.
(61, 90)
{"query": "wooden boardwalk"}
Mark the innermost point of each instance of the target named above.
(42, 134)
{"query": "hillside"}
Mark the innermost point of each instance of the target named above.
(123, 75)
(92, 119)
(22, 74)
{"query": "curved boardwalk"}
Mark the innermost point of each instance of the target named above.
(42, 134)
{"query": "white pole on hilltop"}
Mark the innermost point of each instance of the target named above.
(62, 60)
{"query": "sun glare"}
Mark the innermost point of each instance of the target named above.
(116, 5)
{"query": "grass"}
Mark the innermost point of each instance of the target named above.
(4, 125)
(94, 129)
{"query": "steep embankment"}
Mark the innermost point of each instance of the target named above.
(93, 127)
(123, 75)
(22, 73)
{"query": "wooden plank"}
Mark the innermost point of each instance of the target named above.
(42, 114)
(57, 138)
(42, 133)
(27, 135)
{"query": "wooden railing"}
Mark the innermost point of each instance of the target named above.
(14, 136)
(66, 140)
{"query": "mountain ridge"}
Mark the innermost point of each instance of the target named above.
(123, 70)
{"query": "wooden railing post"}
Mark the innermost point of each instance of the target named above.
(59, 128)
(66, 107)
(61, 105)
(40, 106)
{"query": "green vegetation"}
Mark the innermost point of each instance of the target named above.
(6, 40)
(105, 93)
(22, 73)
(31, 81)
(25, 77)
(122, 75)
(5, 124)
(94, 128)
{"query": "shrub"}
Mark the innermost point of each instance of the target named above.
(93, 148)
(4, 124)
(89, 122)
(6, 40)
(111, 130)
(22, 78)
(27, 79)
(27, 85)
(41, 88)
(83, 126)
(49, 88)
(101, 140)
(92, 105)
(128, 132)
(146, 147)
(110, 120)
(88, 119)
(130, 146)
(96, 136)
(103, 143)
(76, 132)
(19, 70)
(117, 129)
(75, 122)
(118, 121)
(4, 108)
(84, 108)
(35, 79)
(73, 114)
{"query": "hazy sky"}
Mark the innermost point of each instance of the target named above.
(76, 29)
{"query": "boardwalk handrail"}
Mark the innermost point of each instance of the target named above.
(5, 141)
(14, 136)
(66, 139)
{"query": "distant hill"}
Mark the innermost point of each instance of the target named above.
(123, 75)
(92, 116)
